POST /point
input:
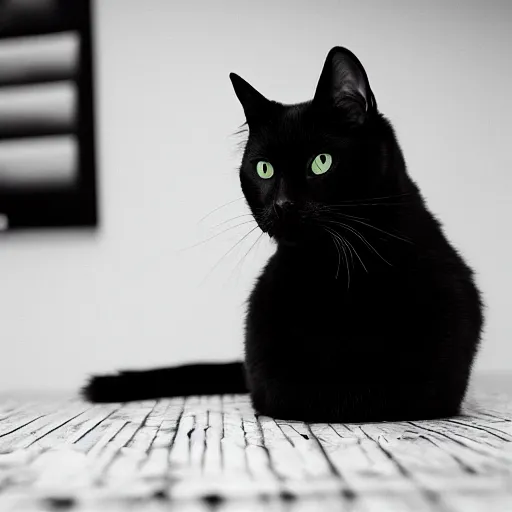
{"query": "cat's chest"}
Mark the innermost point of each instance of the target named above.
(296, 303)
(313, 301)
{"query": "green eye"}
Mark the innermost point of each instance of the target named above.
(322, 163)
(264, 169)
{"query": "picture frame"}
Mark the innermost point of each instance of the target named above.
(47, 131)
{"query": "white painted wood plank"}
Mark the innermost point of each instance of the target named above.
(94, 441)
(213, 459)
(199, 479)
(131, 456)
(198, 435)
(110, 451)
(495, 405)
(286, 461)
(75, 429)
(473, 455)
(133, 415)
(361, 467)
(179, 456)
(35, 430)
(138, 449)
(471, 501)
(71, 468)
(159, 413)
(26, 414)
(380, 480)
(11, 407)
(310, 450)
(485, 431)
(258, 463)
(156, 465)
(482, 415)
(233, 440)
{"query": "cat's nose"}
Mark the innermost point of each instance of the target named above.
(284, 206)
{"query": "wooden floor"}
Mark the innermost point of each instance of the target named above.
(213, 453)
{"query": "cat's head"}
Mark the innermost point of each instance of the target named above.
(303, 162)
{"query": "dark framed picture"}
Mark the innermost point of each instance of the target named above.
(47, 149)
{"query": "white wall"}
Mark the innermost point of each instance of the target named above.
(75, 303)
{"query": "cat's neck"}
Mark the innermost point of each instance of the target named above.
(377, 247)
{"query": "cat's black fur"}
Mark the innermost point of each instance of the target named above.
(365, 312)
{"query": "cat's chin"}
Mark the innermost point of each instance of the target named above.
(290, 238)
(288, 243)
(284, 240)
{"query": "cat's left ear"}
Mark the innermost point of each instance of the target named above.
(344, 84)
(255, 105)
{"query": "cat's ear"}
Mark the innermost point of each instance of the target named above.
(344, 84)
(255, 105)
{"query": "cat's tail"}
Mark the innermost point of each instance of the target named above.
(186, 380)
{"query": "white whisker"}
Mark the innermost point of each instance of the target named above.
(227, 252)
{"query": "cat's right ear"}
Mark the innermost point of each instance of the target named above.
(344, 85)
(255, 105)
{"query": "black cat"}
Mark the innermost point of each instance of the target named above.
(365, 312)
